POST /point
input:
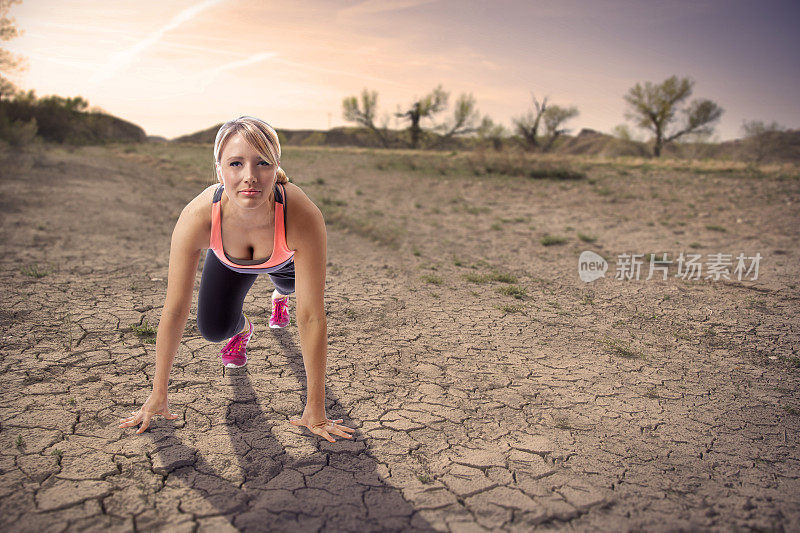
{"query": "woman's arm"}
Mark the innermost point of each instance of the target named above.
(188, 237)
(184, 256)
(309, 268)
(310, 241)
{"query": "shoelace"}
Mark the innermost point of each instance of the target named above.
(279, 307)
(234, 347)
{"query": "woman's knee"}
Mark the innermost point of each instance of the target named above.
(214, 330)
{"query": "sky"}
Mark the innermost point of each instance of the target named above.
(181, 66)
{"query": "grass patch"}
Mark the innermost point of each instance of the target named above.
(550, 240)
(502, 277)
(145, 332)
(20, 441)
(476, 278)
(714, 227)
(512, 290)
(34, 272)
(476, 210)
(620, 349)
(58, 453)
(432, 279)
(511, 308)
(586, 238)
(695, 245)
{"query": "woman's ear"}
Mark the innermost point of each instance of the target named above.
(219, 172)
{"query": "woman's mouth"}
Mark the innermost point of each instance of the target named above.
(250, 192)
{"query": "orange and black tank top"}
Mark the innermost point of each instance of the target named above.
(281, 254)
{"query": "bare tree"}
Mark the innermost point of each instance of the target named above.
(762, 139)
(528, 125)
(8, 62)
(365, 113)
(654, 107)
(553, 116)
(424, 107)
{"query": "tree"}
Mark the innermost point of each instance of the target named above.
(465, 118)
(528, 125)
(761, 140)
(553, 116)
(622, 131)
(654, 107)
(8, 62)
(424, 107)
(493, 133)
(364, 113)
(76, 103)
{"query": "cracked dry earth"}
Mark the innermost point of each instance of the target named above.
(475, 410)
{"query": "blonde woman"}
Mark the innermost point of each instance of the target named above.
(270, 226)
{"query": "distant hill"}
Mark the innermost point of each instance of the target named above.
(342, 136)
(58, 124)
(775, 147)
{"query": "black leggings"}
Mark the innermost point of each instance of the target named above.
(221, 297)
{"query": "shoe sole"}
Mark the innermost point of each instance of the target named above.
(232, 365)
(275, 326)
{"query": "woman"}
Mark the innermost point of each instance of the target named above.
(252, 198)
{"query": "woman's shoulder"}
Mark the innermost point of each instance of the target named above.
(304, 218)
(298, 200)
(200, 206)
(205, 197)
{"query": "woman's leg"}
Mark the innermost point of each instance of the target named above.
(220, 300)
(283, 279)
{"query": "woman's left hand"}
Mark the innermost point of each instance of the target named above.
(323, 427)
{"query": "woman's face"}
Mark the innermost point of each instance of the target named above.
(248, 179)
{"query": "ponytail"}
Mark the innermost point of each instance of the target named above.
(282, 177)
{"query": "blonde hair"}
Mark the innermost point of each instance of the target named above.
(258, 134)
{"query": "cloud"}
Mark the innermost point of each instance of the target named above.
(125, 57)
(255, 58)
(371, 7)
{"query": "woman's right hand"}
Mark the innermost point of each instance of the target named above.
(156, 404)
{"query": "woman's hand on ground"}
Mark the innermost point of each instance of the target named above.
(156, 404)
(323, 426)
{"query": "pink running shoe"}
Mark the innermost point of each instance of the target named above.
(280, 312)
(234, 354)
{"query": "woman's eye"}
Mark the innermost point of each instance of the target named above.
(237, 162)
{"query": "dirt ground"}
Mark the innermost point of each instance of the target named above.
(491, 388)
